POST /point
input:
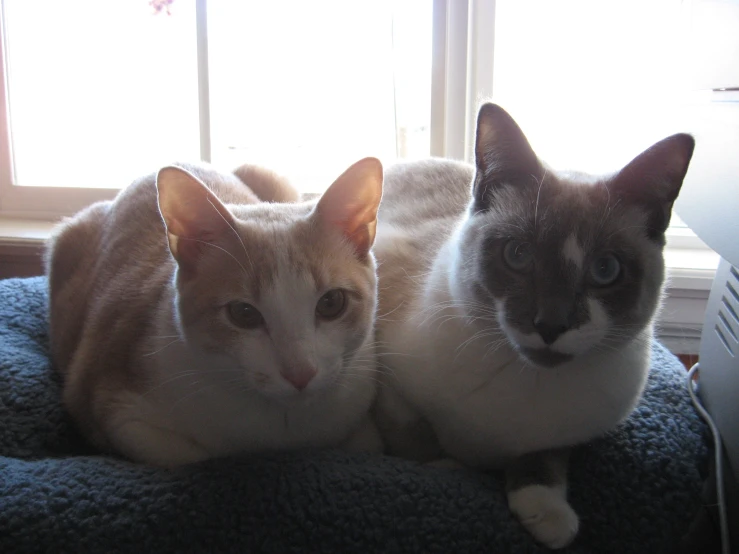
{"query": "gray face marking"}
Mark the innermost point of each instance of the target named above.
(568, 260)
(546, 308)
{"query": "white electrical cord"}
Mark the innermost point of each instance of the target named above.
(723, 516)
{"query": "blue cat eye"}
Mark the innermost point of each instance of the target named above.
(518, 255)
(244, 315)
(605, 270)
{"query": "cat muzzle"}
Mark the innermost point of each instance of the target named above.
(300, 376)
(545, 357)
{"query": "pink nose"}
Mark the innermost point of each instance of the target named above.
(299, 377)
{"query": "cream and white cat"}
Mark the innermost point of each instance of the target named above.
(516, 308)
(191, 321)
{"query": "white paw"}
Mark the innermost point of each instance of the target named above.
(546, 514)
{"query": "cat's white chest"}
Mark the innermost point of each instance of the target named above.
(487, 406)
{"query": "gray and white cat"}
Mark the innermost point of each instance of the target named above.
(516, 308)
(190, 320)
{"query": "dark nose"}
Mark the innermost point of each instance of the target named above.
(552, 320)
(548, 332)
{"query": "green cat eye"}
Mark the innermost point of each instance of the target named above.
(518, 255)
(331, 305)
(244, 315)
(605, 270)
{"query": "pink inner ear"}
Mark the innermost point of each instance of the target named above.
(192, 214)
(357, 226)
(362, 239)
(351, 202)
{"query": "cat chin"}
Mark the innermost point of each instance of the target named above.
(291, 396)
(544, 357)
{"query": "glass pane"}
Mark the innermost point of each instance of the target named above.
(591, 83)
(307, 88)
(100, 92)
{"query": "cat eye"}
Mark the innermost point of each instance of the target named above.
(518, 255)
(605, 270)
(244, 315)
(331, 305)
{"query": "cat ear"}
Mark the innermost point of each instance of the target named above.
(350, 204)
(502, 153)
(191, 212)
(653, 179)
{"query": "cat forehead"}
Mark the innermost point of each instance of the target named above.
(276, 247)
(274, 214)
(555, 190)
(564, 205)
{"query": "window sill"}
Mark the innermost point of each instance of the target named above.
(690, 275)
(24, 232)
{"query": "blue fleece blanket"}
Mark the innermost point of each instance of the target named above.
(635, 489)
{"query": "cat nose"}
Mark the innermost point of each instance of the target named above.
(552, 321)
(549, 332)
(300, 376)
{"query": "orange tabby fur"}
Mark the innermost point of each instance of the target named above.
(114, 284)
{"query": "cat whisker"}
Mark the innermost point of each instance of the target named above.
(471, 339)
(221, 249)
(243, 246)
(384, 316)
(371, 378)
(440, 308)
(623, 229)
(417, 276)
(538, 194)
(494, 346)
(178, 339)
(378, 367)
(184, 374)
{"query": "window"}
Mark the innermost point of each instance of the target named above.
(95, 93)
(591, 83)
(98, 93)
(311, 93)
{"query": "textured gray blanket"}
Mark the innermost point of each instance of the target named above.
(635, 490)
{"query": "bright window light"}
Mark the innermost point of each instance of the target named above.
(311, 93)
(99, 92)
(103, 92)
(591, 83)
